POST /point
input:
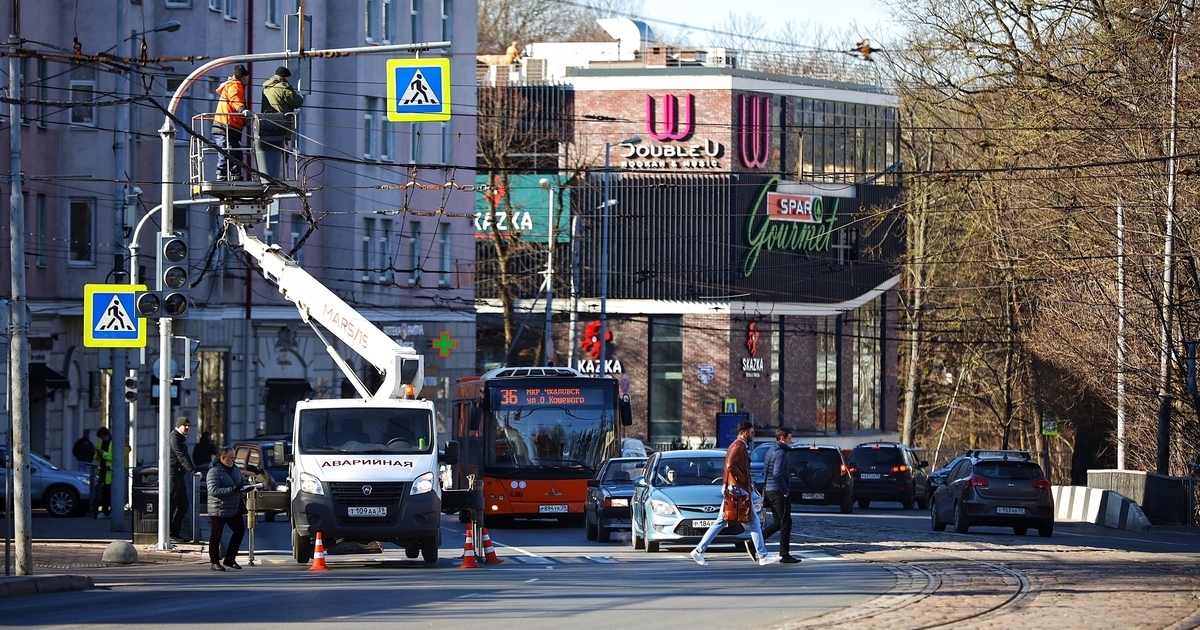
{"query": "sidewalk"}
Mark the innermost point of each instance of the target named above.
(61, 545)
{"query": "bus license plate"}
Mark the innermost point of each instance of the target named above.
(869, 475)
(702, 524)
(812, 495)
(552, 509)
(367, 511)
(1008, 510)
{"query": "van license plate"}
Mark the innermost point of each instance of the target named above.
(812, 495)
(1008, 510)
(366, 511)
(552, 509)
(869, 476)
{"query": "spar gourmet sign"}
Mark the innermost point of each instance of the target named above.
(672, 122)
(791, 218)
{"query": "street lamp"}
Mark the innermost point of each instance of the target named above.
(548, 343)
(604, 250)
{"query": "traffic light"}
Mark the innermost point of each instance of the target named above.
(131, 389)
(148, 304)
(173, 275)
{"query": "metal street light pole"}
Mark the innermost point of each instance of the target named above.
(548, 342)
(1164, 375)
(604, 250)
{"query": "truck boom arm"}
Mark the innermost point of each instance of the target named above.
(399, 365)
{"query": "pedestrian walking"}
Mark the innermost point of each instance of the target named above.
(102, 501)
(776, 493)
(739, 482)
(84, 452)
(181, 467)
(278, 95)
(229, 122)
(206, 449)
(225, 488)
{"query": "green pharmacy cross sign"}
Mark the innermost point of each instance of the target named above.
(445, 343)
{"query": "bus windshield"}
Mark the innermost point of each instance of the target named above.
(366, 430)
(550, 437)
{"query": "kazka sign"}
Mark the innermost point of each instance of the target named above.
(518, 205)
(787, 221)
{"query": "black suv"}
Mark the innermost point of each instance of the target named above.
(820, 477)
(888, 471)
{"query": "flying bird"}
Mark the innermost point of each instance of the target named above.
(863, 49)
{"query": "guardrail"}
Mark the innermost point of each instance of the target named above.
(1165, 500)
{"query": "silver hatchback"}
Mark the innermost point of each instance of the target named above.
(1000, 491)
(60, 492)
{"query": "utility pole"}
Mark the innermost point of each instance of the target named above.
(119, 408)
(18, 375)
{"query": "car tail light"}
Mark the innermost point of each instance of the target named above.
(1041, 484)
(899, 469)
(976, 482)
(843, 469)
(852, 468)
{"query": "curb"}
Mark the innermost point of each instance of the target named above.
(34, 584)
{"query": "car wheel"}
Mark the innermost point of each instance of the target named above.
(923, 502)
(651, 546)
(961, 524)
(637, 542)
(302, 547)
(1046, 531)
(61, 501)
(1020, 531)
(589, 529)
(847, 507)
(603, 534)
(907, 502)
(429, 549)
(864, 503)
(937, 525)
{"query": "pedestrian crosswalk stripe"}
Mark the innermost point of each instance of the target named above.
(116, 318)
(419, 92)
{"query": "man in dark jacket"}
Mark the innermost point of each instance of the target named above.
(225, 488)
(779, 484)
(181, 467)
(84, 452)
(278, 95)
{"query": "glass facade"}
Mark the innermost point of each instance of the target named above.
(868, 365)
(842, 142)
(666, 378)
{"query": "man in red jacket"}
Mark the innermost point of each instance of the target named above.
(739, 481)
(228, 124)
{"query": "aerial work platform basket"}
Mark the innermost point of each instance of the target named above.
(267, 158)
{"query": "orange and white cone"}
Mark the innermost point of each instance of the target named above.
(319, 556)
(468, 559)
(489, 552)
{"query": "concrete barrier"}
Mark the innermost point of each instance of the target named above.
(1095, 505)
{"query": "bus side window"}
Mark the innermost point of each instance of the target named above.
(476, 415)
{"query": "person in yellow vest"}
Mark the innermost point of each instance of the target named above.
(102, 499)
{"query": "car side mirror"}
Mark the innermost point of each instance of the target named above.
(640, 482)
(593, 483)
(923, 464)
(282, 453)
(450, 454)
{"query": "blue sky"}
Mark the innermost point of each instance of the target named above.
(867, 17)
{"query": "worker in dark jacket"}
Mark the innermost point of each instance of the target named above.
(776, 493)
(181, 467)
(278, 95)
(225, 488)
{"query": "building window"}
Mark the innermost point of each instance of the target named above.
(83, 92)
(868, 366)
(39, 236)
(274, 13)
(231, 9)
(82, 226)
(446, 143)
(444, 255)
(387, 150)
(181, 4)
(213, 5)
(845, 245)
(373, 20)
(827, 403)
(447, 20)
(414, 253)
(43, 94)
(370, 137)
(666, 378)
(389, 20)
(415, 13)
(299, 229)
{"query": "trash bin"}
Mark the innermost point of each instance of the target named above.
(144, 501)
(274, 130)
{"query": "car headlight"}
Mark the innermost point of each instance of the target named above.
(422, 484)
(310, 484)
(662, 508)
(83, 479)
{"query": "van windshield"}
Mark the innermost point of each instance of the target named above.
(366, 430)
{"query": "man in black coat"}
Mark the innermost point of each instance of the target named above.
(181, 467)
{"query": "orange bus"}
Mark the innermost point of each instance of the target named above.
(531, 438)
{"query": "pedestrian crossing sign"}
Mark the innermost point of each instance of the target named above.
(418, 90)
(109, 315)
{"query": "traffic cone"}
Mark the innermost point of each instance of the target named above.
(468, 559)
(489, 552)
(319, 556)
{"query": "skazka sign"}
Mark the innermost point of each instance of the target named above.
(788, 222)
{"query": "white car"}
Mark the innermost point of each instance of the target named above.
(632, 447)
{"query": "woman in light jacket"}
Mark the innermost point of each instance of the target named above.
(225, 487)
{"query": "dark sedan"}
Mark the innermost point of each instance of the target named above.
(1004, 491)
(606, 507)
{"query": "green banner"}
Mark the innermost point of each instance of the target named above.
(520, 207)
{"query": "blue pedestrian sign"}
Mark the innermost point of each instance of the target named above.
(110, 317)
(418, 90)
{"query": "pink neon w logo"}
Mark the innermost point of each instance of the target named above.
(754, 141)
(670, 117)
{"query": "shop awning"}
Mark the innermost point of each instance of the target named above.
(49, 378)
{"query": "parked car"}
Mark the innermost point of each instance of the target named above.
(606, 507)
(758, 463)
(678, 498)
(256, 458)
(995, 490)
(888, 471)
(60, 492)
(938, 477)
(819, 476)
(633, 447)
